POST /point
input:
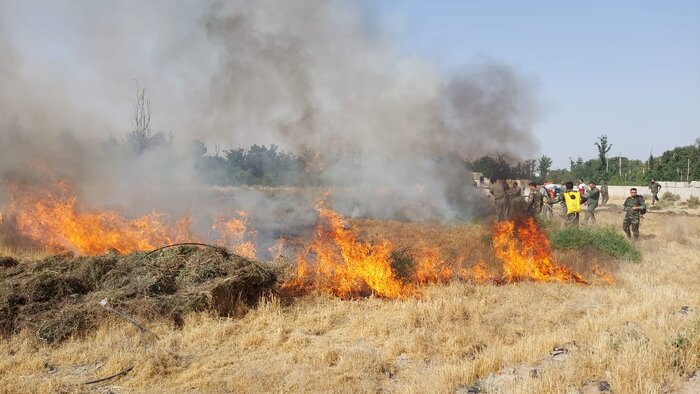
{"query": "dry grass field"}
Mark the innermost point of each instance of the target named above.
(639, 335)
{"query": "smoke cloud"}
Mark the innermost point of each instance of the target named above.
(305, 75)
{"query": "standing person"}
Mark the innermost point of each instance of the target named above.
(604, 191)
(581, 187)
(571, 200)
(515, 199)
(634, 208)
(535, 200)
(498, 191)
(591, 197)
(654, 187)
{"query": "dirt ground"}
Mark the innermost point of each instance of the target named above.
(639, 335)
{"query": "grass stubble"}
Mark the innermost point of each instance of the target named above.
(634, 334)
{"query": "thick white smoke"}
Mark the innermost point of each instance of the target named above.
(306, 75)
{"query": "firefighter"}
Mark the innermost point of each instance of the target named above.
(571, 201)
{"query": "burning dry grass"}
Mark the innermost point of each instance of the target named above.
(53, 218)
(635, 335)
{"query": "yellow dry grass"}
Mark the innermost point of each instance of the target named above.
(631, 334)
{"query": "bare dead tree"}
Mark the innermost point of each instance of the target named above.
(142, 112)
(141, 136)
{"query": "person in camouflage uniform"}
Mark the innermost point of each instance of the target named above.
(535, 200)
(515, 200)
(591, 198)
(498, 191)
(604, 192)
(634, 208)
(654, 187)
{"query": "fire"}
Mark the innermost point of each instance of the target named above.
(525, 253)
(52, 218)
(430, 268)
(337, 263)
(478, 273)
(333, 260)
(602, 274)
(234, 234)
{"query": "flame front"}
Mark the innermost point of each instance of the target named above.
(337, 263)
(525, 253)
(333, 260)
(430, 267)
(51, 218)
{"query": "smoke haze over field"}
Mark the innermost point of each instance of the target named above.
(306, 75)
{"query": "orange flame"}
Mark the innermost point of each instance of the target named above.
(50, 216)
(479, 273)
(526, 254)
(234, 234)
(602, 274)
(337, 263)
(430, 268)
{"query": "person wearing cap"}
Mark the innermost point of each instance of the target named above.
(591, 198)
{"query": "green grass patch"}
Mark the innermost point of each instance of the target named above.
(604, 239)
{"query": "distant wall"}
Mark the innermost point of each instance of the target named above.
(683, 189)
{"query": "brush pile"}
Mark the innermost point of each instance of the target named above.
(58, 297)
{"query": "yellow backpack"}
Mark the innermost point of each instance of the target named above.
(573, 202)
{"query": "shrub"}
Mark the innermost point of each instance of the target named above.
(604, 239)
(665, 203)
(668, 196)
(693, 201)
(402, 263)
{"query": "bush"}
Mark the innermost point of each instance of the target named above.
(665, 203)
(604, 239)
(693, 201)
(668, 196)
(402, 263)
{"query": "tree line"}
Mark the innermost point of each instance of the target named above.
(270, 166)
(677, 164)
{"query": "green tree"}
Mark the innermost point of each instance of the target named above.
(673, 165)
(491, 167)
(544, 165)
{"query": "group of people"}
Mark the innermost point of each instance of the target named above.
(510, 202)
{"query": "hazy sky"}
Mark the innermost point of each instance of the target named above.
(628, 69)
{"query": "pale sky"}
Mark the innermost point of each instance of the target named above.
(628, 69)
